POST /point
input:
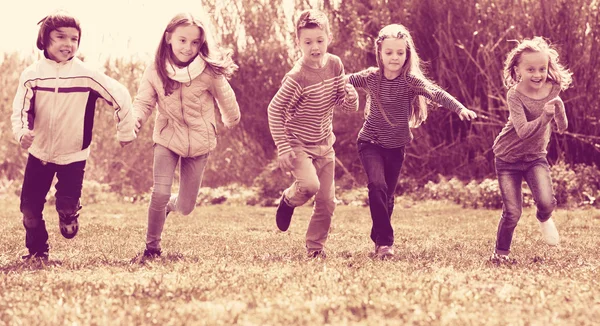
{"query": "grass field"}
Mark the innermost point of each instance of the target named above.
(230, 265)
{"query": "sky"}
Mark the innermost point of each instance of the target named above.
(110, 28)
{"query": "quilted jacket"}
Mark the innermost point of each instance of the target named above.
(185, 122)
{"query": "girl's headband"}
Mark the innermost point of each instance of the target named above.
(380, 39)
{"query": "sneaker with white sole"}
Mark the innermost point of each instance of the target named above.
(502, 259)
(383, 252)
(549, 232)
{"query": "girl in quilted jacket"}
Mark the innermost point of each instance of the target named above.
(189, 73)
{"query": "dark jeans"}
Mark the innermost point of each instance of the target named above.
(510, 176)
(36, 184)
(382, 166)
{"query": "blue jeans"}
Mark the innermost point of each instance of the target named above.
(36, 184)
(510, 176)
(314, 170)
(190, 178)
(382, 166)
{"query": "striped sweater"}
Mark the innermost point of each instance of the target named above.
(303, 107)
(396, 98)
(58, 100)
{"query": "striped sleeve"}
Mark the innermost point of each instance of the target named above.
(23, 108)
(358, 79)
(117, 95)
(341, 101)
(436, 95)
(279, 111)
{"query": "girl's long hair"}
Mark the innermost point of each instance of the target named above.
(412, 67)
(218, 59)
(556, 72)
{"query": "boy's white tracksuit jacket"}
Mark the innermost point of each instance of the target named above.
(57, 101)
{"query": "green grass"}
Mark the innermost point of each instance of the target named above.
(227, 265)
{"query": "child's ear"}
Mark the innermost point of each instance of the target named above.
(168, 37)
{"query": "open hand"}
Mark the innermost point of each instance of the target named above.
(27, 139)
(466, 114)
(285, 161)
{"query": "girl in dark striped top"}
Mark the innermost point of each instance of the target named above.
(396, 93)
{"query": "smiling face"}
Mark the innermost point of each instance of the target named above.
(393, 56)
(185, 42)
(532, 70)
(313, 43)
(64, 42)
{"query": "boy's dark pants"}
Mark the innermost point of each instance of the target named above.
(382, 166)
(36, 184)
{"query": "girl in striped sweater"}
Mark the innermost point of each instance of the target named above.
(397, 90)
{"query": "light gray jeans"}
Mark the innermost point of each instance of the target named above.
(510, 176)
(314, 169)
(190, 178)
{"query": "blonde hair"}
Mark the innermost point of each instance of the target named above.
(412, 66)
(556, 72)
(218, 59)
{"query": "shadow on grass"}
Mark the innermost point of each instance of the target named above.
(29, 265)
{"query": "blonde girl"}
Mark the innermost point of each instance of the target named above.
(397, 90)
(189, 73)
(534, 78)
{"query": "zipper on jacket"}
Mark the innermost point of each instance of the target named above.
(187, 128)
(53, 111)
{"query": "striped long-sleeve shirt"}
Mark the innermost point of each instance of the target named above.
(395, 97)
(303, 107)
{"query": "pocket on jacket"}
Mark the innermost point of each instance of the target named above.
(164, 127)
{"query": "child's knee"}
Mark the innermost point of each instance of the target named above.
(308, 188)
(512, 215)
(185, 209)
(159, 200)
(546, 207)
(31, 221)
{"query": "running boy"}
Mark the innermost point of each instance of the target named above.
(300, 120)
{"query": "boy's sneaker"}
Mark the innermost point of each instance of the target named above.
(383, 252)
(549, 232)
(152, 253)
(502, 259)
(283, 217)
(68, 226)
(43, 256)
(317, 253)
